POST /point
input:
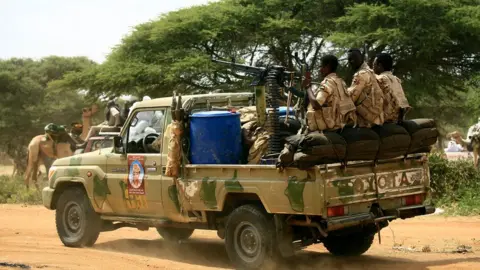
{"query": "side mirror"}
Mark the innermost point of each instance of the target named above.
(117, 144)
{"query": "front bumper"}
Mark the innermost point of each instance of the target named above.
(47, 196)
(338, 223)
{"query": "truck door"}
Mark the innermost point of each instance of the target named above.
(134, 177)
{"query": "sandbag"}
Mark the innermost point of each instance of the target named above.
(305, 161)
(415, 125)
(248, 114)
(174, 156)
(286, 156)
(328, 146)
(362, 143)
(422, 140)
(293, 125)
(295, 140)
(316, 139)
(259, 148)
(394, 141)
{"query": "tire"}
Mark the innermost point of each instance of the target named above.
(349, 245)
(77, 223)
(249, 237)
(174, 234)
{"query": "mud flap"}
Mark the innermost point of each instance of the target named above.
(284, 237)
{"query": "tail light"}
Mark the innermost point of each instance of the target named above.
(337, 211)
(412, 200)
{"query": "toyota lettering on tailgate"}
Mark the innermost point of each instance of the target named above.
(386, 181)
(395, 180)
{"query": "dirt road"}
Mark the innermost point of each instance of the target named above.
(28, 238)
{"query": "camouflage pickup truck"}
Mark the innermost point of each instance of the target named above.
(260, 211)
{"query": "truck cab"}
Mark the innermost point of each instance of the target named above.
(258, 209)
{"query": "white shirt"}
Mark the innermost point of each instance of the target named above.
(453, 147)
(475, 129)
(114, 111)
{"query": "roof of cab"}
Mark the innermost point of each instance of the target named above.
(167, 101)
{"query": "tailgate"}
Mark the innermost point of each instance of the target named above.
(362, 183)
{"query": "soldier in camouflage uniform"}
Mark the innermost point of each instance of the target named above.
(330, 107)
(395, 104)
(365, 91)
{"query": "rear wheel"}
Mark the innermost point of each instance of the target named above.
(349, 245)
(77, 223)
(249, 237)
(174, 234)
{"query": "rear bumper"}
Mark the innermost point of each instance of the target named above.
(47, 195)
(338, 223)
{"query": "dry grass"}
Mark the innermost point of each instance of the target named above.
(6, 169)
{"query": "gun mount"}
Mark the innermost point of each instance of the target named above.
(261, 73)
(271, 77)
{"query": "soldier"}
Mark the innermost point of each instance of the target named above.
(330, 107)
(365, 91)
(395, 104)
(112, 114)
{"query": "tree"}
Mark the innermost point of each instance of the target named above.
(28, 104)
(173, 52)
(435, 44)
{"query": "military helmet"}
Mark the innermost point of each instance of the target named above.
(52, 128)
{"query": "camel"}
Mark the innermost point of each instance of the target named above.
(43, 150)
(474, 144)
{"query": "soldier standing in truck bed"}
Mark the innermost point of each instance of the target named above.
(330, 107)
(395, 104)
(365, 91)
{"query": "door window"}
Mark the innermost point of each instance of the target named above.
(144, 129)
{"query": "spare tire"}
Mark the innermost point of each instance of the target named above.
(362, 143)
(394, 141)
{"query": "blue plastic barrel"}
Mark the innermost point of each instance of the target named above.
(283, 110)
(215, 138)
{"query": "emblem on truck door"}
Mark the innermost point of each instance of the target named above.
(136, 175)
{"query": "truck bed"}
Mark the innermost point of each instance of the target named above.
(295, 191)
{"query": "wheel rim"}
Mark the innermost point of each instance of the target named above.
(73, 219)
(247, 241)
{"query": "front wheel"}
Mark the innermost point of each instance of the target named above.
(349, 245)
(249, 237)
(77, 223)
(174, 234)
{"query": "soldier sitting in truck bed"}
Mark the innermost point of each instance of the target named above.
(330, 108)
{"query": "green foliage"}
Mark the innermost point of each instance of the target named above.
(30, 100)
(455, 185)
(13, 190)
(173, 52)
(436, 45)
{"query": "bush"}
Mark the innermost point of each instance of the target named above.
(455, 185)
(13, 190)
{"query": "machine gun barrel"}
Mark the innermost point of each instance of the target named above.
(245, 68)
(253, 70)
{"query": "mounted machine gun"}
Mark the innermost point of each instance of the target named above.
(274, 77)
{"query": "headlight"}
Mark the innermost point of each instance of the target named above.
(51, 172)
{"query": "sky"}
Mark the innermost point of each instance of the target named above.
(39, 28)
